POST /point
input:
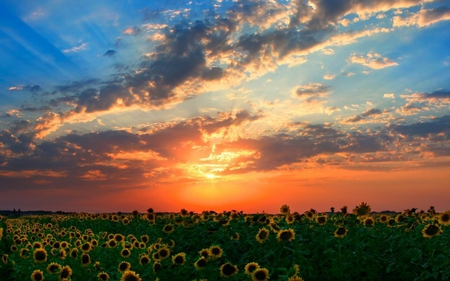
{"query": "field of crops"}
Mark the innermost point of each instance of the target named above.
(358, 245)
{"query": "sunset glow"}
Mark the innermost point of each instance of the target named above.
(219, 105)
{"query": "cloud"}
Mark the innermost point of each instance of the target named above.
(329, 76)
(109, 53)
(132, 31)
(328, 51)
(76, 49)
(372, 60)
(311, 91)
(389, 96)
(423, 18)
(363, 116)
(439, 125)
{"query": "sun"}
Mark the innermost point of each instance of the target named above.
(210, 176)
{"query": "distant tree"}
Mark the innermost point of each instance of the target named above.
(332, 210)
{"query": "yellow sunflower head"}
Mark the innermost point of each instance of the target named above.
(179, 259)
(262, 235)
(431, 230)
(260, 274)
(251, 267)
(40, 255)
(103, 276)
(54, 268)
(227, 269)
(200, 263)
(216, 252)
(444, 218)
(123, 266)
(65, 272)
(37, 275)
(129, 275)
(286, 235)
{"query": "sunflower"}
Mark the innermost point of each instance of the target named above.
(144, 259)
(130, 276)
(251, 267)
(65, 272)
(163, 252)
(14, 248)
(369, 222)
(391, 222)
(124, 266)
(119, 238)
(56, 245)
(168, 228)
(274, 227)
(384, 218)
(97, 265)
(86, 247)
(235, 236)
(37, 275)
(216, 252)
(24, 253)
(289, 219)
(362, 209)
(85, 259)
(145, 238)
(321, 220)
(206, 253)
(184, 212)
(340, 232)
(40, 255)
(431, 230)
(286, 235)
(125, 253)
(171, 244)
(37, 245)
(285, 209)
(444, 218)
(260, 274)
(157, 267)
(227, 269)
(156, 256)
(103, 276)
(112, 243)
(94, 243)
(53, 268)
(200, 263)
(179, 259)
(262, 235)
(74, 253)
(399, 218)
(64, 244)
(5, 258)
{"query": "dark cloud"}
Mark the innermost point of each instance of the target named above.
(109, 53)
(363, 116)
(423, 129)
(436, 95)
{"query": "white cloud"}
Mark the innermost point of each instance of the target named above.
(76, 48)
(372, 60)
(329, 76)
(388, 96)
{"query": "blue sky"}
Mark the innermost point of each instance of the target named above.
(134, 96)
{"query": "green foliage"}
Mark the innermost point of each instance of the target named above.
(380, 252)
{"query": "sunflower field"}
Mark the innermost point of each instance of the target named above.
(358, 245)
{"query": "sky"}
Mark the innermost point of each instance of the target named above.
(110, 106)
